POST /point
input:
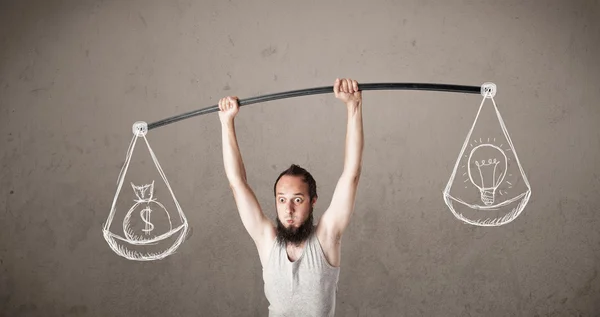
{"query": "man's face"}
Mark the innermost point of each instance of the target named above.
(294, 209)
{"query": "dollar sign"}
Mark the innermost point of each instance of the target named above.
(145, 215)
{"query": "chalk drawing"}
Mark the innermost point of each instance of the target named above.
(148, 231)
(142, 225)
(491, 188)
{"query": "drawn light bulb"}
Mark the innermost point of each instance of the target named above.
(487, 168)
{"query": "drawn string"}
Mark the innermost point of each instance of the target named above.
(123, 172)
(164, 177)
(120, 180)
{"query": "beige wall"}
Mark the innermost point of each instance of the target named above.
(75, 76)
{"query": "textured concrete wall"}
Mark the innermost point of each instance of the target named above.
(75, 76)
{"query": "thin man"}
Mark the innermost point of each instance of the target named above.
(300, 260)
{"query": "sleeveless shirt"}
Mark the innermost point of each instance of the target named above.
(306, 287)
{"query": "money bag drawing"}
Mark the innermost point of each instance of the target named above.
(488, 186)
(145, 211)
(150, 232)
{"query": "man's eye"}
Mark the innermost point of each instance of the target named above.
(298, 200)
(281, 200)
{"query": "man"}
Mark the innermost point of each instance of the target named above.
(300, 261)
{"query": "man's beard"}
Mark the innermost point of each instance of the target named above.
(293, 235)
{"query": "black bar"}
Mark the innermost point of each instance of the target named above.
(322, 90)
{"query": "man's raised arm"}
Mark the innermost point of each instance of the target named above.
(254, 220)
(337, 216)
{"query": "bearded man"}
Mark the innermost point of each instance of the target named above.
(300, 260)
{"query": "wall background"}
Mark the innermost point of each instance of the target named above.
(75, 76)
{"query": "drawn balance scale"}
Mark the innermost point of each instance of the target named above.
(491, 188)
(148, 231)
(487, 187)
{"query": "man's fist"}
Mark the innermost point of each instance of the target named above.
(347, 91)
(228, 108)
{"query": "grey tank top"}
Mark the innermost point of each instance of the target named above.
(306, 287)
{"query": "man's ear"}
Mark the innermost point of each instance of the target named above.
(314, 201)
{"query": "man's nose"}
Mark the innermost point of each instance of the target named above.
(289, 207)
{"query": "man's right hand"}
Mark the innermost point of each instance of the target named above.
(228, 108)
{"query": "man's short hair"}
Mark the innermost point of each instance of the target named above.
(296, 170)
